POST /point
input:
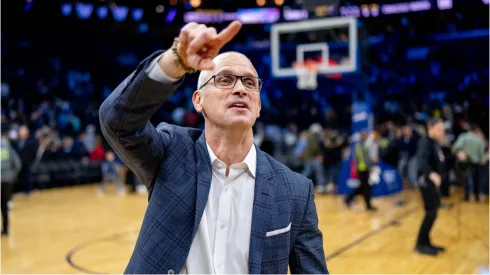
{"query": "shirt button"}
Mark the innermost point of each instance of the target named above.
(222, 226)
(226, 188)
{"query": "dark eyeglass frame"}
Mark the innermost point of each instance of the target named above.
(259, 80)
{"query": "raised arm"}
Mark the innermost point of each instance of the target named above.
(125, 114)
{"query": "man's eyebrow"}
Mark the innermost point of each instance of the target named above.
(228, 71)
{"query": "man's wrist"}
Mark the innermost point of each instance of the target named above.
(167, 63)
(179, 62)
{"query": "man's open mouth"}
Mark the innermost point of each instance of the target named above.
(243, 105)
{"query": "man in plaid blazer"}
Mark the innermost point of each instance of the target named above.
(216, 203)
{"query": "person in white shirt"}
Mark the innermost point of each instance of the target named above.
(217, 203)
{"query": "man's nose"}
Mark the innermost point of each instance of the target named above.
(239, 89)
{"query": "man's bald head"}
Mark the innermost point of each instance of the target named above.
(230, 58)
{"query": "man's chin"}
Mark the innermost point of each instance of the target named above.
(240, 122)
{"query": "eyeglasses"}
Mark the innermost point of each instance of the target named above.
(228, 81)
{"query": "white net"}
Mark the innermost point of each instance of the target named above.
(307, 77)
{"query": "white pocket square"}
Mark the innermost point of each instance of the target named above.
(278, 231)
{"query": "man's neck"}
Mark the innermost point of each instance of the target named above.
(231, 145)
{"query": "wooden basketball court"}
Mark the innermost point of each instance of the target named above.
(73, 230)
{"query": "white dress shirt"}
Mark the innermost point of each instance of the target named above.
(222, 241)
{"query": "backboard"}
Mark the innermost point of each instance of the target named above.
(331, 42)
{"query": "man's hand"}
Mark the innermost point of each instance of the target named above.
(435, 178)
(198, 46)
(461, 156)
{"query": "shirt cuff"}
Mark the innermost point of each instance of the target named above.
(155, 72)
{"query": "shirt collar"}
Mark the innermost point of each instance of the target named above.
(250, 160)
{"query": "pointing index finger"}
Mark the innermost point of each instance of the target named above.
(229, 32)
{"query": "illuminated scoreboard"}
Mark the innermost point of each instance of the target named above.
(322, 8)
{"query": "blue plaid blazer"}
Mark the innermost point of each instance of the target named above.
(174, 164)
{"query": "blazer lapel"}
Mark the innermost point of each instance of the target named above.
(262, 212)
(204, 176)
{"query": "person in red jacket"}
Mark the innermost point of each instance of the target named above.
(98, 154)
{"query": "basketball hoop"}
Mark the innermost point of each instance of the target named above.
(306, 73)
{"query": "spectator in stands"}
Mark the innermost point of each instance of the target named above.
(11, 166)
(79, 150)
(27, 148)
(89, 137)
(98, 153)
(66, 149)
(49, 146)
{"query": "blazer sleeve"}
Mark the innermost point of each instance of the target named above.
(125, 121)
(307, 255)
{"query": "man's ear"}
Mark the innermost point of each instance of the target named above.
(196, 100)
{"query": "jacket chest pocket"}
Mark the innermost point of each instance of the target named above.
(278, 242)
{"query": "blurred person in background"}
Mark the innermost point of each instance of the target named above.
(11, 166)
(49, 146)
(313, 157)
(79, 150)
(407, 165)
(469, 148)
(430, 172)
(389, 130)
(290, 139)
(373, 144)
(66, 149)
(136, 186)
(111, 174)
(299, 148)
(449, 162)
(26, 147)
(98, 153)
(267, 145)
(385, 145)
(88, 137)
(333, 144)
(366, 156)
